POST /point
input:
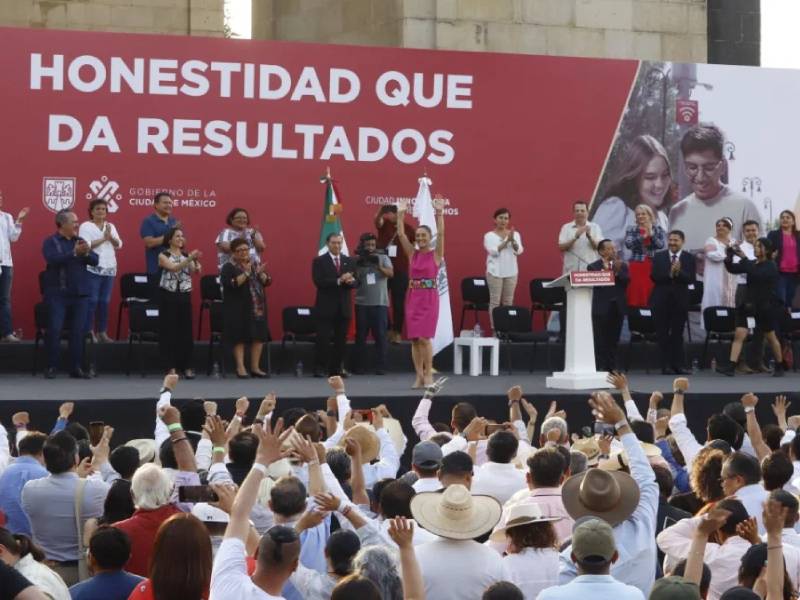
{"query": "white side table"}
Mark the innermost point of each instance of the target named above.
(476, 346)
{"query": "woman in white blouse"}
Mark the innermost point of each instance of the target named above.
(503, 245)
(719, 286)
(104, 240)
(18, 551)
(531, 560)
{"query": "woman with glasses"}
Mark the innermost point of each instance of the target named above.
(786, 241)
(244, 306)
(719, 285)
(105, 241)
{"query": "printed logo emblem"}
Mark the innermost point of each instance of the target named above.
(58, 193)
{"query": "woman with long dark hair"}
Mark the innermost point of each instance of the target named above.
(644, 177)
(180, 566)
(786, 243)
(175, 303)
(762, 301)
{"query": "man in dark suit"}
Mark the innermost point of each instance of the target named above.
(334, 277)
(66, 290)
(673, 271)
(608, 306)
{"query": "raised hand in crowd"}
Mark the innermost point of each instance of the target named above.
(65, 410)
(210, 408)
(779, 408)
(267, 405)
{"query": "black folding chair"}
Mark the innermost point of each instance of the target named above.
(134, 288)
(512, 325)
(474, 297)
(790, 332)
(298, 326)
(695, 301)
(642, 326)
(210, 292)
(545, 300)
(720, 325)
(143, 327)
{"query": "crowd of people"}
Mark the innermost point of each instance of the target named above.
(314, 504)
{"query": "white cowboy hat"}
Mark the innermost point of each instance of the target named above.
(522, 513)
(455, 513)
(146, 449)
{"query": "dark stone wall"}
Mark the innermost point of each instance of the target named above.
(734, 32)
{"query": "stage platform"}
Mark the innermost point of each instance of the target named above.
(128, 403)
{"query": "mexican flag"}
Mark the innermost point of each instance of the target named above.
(331, 216)
(423, 211)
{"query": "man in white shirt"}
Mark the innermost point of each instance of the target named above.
(279, 548)
(723, 557)
(741, 478)
(457, 567)
(578, 239)
(10, 230)
(499, 477)
(426, 458)
(593, 551)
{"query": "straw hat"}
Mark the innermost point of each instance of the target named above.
(366, 437)
(146, 449)
(590, 448)
(619, 460)
(522, 513)
(609, 495)
(455, 513)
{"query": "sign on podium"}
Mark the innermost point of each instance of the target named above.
(580, 371)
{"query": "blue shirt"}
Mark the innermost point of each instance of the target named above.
(66, 273)
(16, 475)
(591, 586)
(111, 585)
(636, 564)
(154, 226)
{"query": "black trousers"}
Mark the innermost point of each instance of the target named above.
(371, 319)
(175, 340)
(331, 343)
(398, 286)
(607, 328)
(670, 323)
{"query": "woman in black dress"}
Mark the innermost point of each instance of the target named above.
(762, 301)
(244, 306)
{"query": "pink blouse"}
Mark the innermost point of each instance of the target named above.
(789, 254)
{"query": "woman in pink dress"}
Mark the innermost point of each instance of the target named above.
(422, 298)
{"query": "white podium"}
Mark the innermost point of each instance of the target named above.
(580, 371)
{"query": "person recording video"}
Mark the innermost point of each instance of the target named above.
(373, 268)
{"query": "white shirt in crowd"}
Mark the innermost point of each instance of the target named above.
(723, 559)
(107, 263)
(457, 569)
(582, 252)
(420, 535)
(9, 232)
(585, 587)
(427, 484)
(753, 497)
(501, 263)
(229, 577)
(532, 570)
(499, 480)
(43, 577)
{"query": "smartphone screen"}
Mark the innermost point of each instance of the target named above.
(96, 432)
(492, 427)
(603, 428)
(197, 493)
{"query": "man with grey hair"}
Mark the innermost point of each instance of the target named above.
(154, 492)
(554, 423)
(66, 288)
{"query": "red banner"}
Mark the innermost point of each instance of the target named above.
(231, 123)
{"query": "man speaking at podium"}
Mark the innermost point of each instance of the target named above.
(609, 306)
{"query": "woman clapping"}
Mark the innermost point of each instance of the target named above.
(244, 306)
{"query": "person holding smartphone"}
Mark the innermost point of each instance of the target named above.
(373, 270)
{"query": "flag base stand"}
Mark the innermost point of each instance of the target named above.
(562, 380)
